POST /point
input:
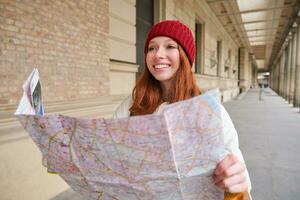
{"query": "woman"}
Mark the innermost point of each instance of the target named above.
(167, 78)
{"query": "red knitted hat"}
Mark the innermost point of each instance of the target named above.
(178, 32)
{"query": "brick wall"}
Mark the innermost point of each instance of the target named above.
(66, 40)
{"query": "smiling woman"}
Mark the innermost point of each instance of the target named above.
(163, 60)
(167, 78)
(169, 54)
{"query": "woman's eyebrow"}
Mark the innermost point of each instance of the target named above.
(169, 40)
(152, 43)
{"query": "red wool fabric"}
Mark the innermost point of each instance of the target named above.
(178, 32)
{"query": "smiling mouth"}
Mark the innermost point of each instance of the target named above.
(161, 66)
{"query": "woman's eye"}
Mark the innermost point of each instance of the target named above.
(151, 48)
(172, 47)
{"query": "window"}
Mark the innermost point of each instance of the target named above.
(199, 61)
(144, 21)
(228, 61)
(219, 56)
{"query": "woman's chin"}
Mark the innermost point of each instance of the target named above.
(163, 78)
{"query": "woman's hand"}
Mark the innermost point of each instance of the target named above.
(230, 175)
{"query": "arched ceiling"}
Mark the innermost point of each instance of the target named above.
(259, 25)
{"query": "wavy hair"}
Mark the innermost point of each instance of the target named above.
(147, 93)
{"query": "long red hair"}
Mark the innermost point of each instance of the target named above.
(147, 94)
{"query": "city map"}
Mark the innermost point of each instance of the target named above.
(167, 156)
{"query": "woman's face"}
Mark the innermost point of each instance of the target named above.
(163, 59)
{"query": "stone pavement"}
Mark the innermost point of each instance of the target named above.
(269, 134)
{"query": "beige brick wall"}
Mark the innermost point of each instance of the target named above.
(66, 40)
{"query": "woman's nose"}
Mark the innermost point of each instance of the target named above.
(160, 53)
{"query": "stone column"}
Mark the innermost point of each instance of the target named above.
(243, 70)
(273, 75)
(291, 80)
(283, 59)
(287, 67)
(297, 70)
(271, 80)
(286, 62)
(278, 74)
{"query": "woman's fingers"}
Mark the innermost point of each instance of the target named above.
(230, 174)
(232, 170)
(226, 163)
(228, 182)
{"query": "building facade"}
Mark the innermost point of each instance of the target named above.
(88, 49)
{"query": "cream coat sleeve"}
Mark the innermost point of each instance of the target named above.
(123, 109)
(231, 140)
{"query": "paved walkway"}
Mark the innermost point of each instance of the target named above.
(269, 133)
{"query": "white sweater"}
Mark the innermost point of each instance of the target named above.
(231, 141)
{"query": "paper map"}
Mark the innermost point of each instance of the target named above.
(170, 156)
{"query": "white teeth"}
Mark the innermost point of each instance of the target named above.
(161, 66)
